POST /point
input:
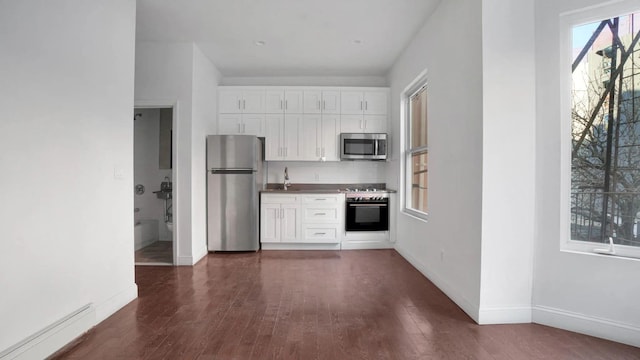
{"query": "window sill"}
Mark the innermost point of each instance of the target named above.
(589, 248)
(416, 215)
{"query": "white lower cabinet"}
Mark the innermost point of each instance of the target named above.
(301, 220)
(279, 218)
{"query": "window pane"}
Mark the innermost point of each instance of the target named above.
(419, 181)
(605, 163)
(419, 119)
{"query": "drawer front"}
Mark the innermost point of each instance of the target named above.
(278, 199)
(320, 234)
(329, 200)
(317, 214)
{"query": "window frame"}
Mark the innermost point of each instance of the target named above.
(567, 22)
(419, 83)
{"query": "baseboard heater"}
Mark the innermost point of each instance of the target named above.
(53, 337)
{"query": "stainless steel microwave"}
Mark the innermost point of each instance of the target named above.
(358, 146)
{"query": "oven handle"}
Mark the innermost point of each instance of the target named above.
(369, 205)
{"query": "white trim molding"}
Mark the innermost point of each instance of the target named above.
(585, 324)
(505, 315)
(466, 306)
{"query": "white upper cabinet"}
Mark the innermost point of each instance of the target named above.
(363, 124)
(319, 137)
(368, 102)
(321, 101)
(282, 134)
(238, 101)
(280, 101)
(241, 124)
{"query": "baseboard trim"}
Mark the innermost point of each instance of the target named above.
(184, 260)
(366, 245)
(466, 306)
(294, 246)
(50, 339)
(589, 325)
(505, 315)
(203, 252)
(116, 302)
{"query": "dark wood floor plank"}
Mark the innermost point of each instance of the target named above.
(321, 305)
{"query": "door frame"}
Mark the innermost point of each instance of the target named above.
(169, 104)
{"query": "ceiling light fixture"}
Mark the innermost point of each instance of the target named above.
(259, 43)
(357, 41)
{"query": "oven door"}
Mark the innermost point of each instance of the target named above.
(367, 215)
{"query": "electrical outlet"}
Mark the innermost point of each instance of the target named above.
(316, 177)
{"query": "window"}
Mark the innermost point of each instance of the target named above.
(416, 160)
(605, 132)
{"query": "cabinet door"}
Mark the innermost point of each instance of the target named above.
(229, 101)
(253, 124)
(351, 123)
(273, 137)
(253, 101)
(375, 123)
(375, 102)
(293, 101)
(310, 146)
(270, 223)
(274, 101)
(329, 133)
(312, 101)
(331, 102)
(290, 223)
(291, 136)
(351, 102)
(229, 124)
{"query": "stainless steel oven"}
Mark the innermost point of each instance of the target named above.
(356, 146)
(368, 211)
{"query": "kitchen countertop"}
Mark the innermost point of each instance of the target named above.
(322, 188)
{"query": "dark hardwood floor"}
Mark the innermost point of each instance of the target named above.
(313, 305)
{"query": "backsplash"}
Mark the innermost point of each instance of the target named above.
(342, 172)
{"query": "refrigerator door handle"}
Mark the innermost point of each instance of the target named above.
(232, 171)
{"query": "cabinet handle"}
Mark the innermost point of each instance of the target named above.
(366, 105)
(286, 104)
(320, 233)
(244, 128)
(320, 214)
(244, 104)
(361, 105)
(321, 199)
(318, 104)
(281, 108)
(365, 123)
(239, 107)
(361, 123)
(324, 105)
(286, 151)
(239, 131)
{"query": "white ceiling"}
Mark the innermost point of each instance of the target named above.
(302, 37)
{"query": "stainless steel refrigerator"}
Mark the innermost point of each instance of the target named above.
(234, 179)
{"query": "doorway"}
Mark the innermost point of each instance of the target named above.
(154, 212)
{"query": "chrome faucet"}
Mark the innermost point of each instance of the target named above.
(287, 183)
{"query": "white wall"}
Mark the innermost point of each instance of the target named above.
(179, 73)
(593, 294)
(147, 170)
(330, 172)
(449, 46)
(205, 85)
(508, 161)
(66, 139)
